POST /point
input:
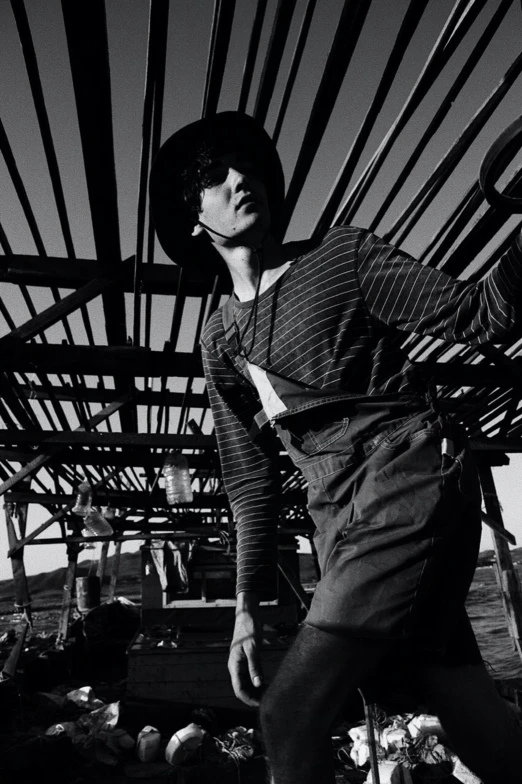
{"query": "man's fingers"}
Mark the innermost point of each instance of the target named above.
(254, 666)
(245, 672)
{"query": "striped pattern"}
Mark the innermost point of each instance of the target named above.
(333, 322)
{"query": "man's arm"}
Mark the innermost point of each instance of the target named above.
(402, 293)
(251, 480)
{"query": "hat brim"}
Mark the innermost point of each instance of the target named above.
(169, 214)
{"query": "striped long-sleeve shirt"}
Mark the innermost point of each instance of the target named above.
(332, 324)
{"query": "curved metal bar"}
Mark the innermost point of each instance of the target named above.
(498, 157)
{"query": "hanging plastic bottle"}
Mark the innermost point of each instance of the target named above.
(83, 503)
(177, 479)
(108, 512)
(96, 523)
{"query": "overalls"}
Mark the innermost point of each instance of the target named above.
(395, 498)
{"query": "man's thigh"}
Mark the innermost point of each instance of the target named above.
(318, 674)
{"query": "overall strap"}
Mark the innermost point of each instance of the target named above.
(231, 337)
(240, 363)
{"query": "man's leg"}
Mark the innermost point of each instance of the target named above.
(481, 727)
(302, 702)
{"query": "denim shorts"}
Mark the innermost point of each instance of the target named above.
(397, 522)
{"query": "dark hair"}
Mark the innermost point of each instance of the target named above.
(196, 177)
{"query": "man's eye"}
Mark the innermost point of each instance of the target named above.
(215, 175)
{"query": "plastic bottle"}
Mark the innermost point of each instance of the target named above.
(177, 479)
(96, 523)
(83, 503)
(108, 512)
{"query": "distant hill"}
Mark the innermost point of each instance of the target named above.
(46, 587)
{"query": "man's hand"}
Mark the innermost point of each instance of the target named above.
(244, 663)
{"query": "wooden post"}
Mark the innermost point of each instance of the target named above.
(22, 598)
(67, 597)
(102, 563)
(507, 578)
(114, 572)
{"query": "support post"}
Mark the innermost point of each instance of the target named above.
(507, 578)
(67, 597)
(102, 563)
(114, 572)
(22, 598)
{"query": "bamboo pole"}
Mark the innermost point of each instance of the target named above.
(102, 563)
(67, 596)
(507, 578)
(21, 589)
(114, 572)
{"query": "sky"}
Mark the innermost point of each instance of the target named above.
(189, 32)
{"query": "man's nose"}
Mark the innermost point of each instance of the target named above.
(238, 180)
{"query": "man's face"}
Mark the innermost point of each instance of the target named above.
(234, 201)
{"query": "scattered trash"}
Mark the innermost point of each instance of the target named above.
(148, 744)
(84, 698)
(238, 745)
(409, 748)
(391, 772)
(184, 744)
(423, 724)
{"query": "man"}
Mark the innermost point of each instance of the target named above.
(310, 343)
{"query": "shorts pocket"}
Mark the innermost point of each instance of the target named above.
(313, 439)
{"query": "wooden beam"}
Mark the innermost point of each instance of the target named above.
(102, 360)
(67, 595)
(11, 663)
(499, 530)
(53, 314)
(102, 563)
(460, 374)
(135, 499)
(97, 395)
(114, 571)
(74, 273)
(21, 589)
(46, 438)
(41, 459)
(57, 516)
(507, 578)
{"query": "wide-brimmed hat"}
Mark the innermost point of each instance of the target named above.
(229, 131)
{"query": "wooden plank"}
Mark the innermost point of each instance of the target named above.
(102, 360)
(43, 458)
(134, 499)
(98, 395)
(84, 438)
(74, 273)
(42, 321)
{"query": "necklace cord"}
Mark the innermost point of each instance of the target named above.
(242, 352)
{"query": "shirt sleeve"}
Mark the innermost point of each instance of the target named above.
(408, 295)
(250, 475)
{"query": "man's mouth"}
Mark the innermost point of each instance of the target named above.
(246, 199)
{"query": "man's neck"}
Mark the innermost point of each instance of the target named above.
(246, 265)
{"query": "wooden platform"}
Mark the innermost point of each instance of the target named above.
(191, 670)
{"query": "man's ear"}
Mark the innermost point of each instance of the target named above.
(197, 230)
